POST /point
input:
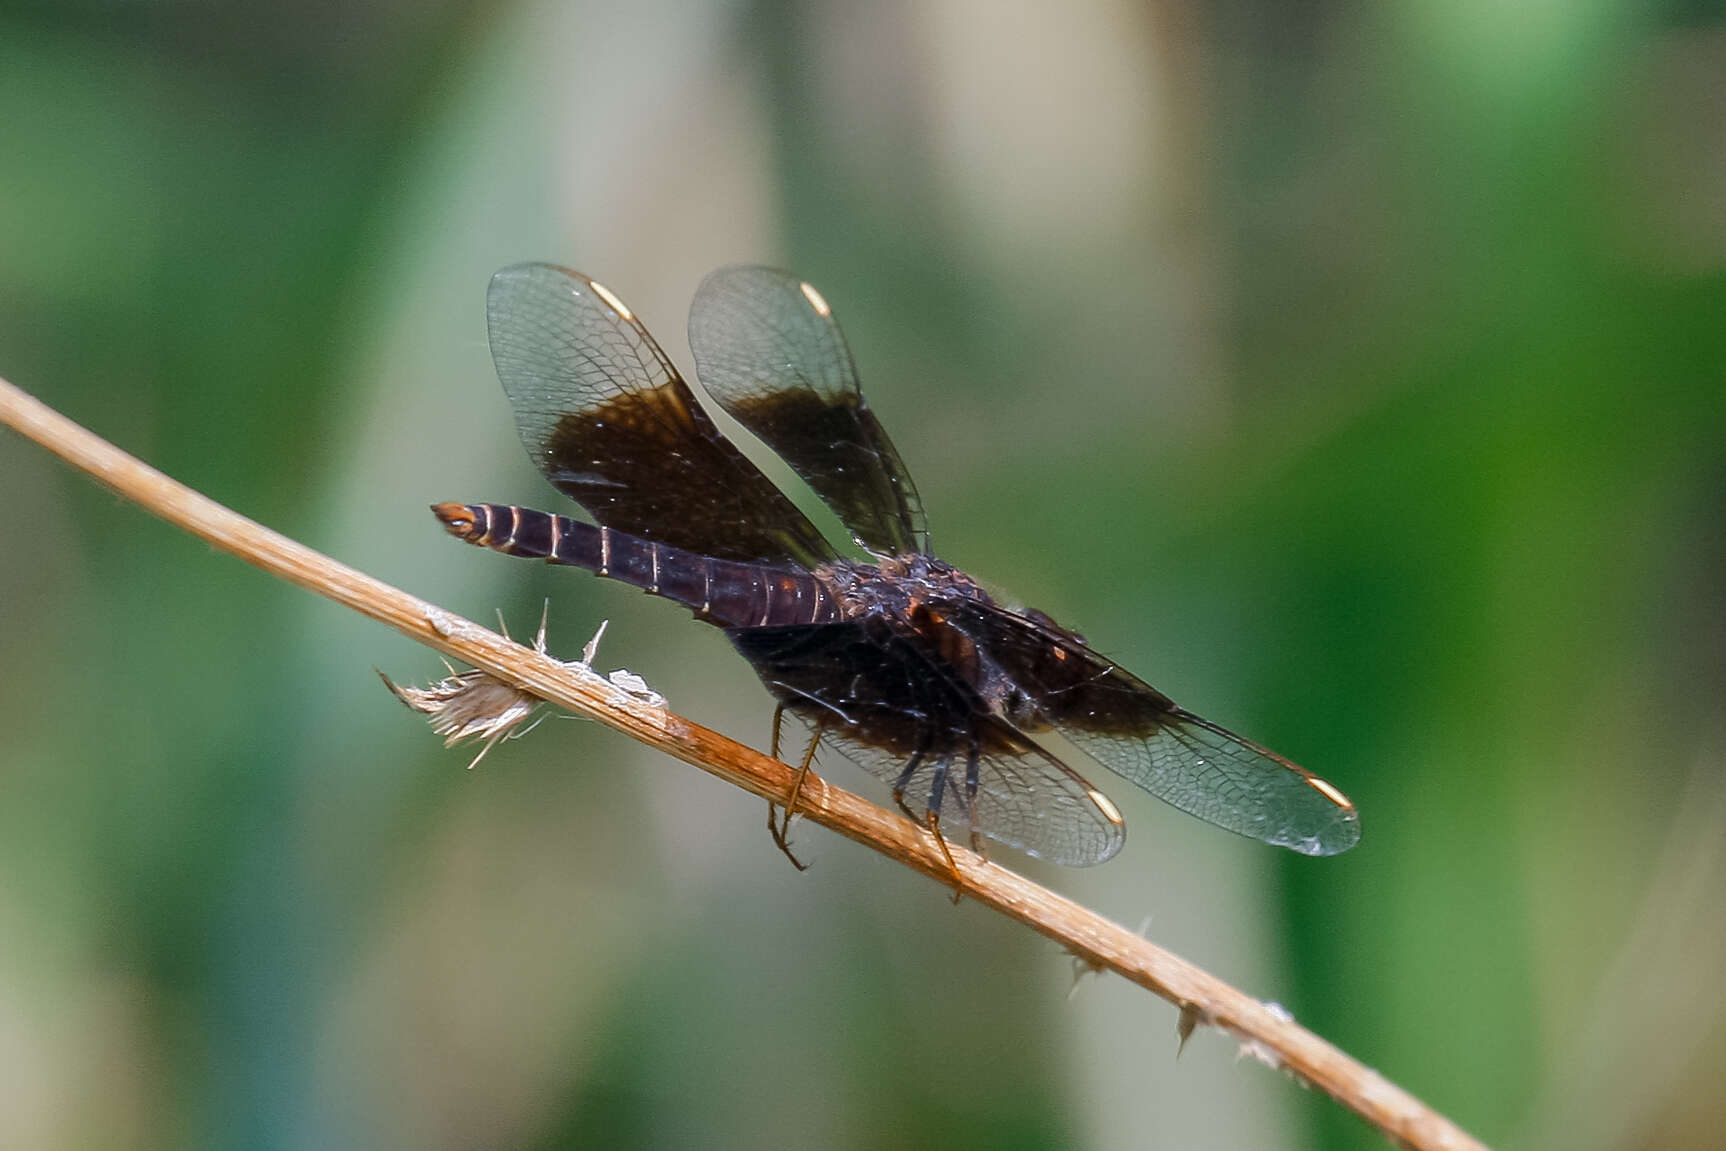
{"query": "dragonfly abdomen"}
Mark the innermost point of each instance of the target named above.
(725, 593)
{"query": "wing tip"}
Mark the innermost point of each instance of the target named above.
(1337, 836)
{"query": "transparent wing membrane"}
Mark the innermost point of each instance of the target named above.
(769, 351)
(1136, 732)
(607, 419)
(911, 722)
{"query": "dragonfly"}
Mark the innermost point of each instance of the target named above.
(900, 661)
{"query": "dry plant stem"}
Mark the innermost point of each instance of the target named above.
(1105, 945)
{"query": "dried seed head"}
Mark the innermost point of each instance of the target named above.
(470, 705)
(477, 705)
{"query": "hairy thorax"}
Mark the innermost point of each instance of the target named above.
(897, 586)
(940, 610)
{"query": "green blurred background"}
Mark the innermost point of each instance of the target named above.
(1355, 374)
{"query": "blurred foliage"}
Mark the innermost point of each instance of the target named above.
(1358, 376)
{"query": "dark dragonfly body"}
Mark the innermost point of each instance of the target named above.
(903, 663)
(726, 593)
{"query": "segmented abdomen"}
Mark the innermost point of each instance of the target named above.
(722, 592)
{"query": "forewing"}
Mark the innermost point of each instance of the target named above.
(606, 417)
(769, 350)
(905, 719)
(1138, 733)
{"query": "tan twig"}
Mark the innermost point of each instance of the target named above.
(1263, 1029)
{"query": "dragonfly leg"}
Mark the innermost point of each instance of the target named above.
(925, 740)
(802, 774)
(784, 829)
(779, 830)
(932, 820)
(932, 817)
(973, 765)
(773, 750)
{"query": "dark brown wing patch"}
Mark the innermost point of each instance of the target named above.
(608, 420)
(769, 350)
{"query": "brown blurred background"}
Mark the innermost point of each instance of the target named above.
(1356, 375)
